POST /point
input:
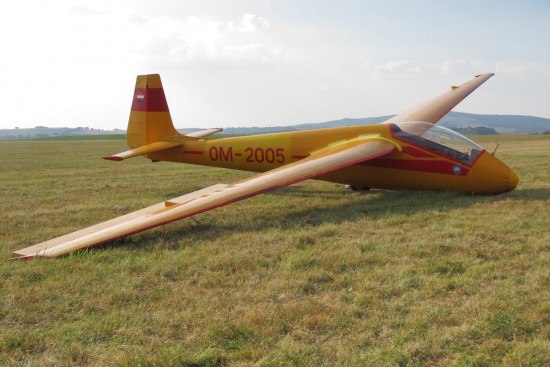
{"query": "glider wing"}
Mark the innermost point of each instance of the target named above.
(331, 158)
(433, 110)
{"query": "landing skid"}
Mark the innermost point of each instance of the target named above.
(356, 188)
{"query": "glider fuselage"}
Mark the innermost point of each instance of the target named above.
(414, 167)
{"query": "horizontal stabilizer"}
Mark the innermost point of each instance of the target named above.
(145, 149)
(204, 133)
(116, 228)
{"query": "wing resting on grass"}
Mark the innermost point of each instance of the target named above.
(331, 158)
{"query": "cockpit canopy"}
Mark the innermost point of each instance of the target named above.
(439, 139)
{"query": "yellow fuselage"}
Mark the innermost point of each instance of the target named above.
(414, 167)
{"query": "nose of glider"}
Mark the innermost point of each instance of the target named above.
(492, 176)
(513, 179)
(503, 178)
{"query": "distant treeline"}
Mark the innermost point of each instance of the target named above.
(479, 130)
(84, 137)
(54, 132)
(464, 123)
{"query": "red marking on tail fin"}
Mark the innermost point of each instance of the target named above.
(149, 100)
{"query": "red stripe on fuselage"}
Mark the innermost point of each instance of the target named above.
(193, 152)
(149, 100)
(416, 152)
(431, 166)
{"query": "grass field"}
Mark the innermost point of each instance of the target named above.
(310, 275)
(82, 137)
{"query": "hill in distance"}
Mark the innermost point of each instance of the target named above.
(47, 132)
(465, 123)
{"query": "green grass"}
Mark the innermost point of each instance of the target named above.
(309, 275)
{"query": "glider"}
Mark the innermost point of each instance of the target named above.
(408, 151)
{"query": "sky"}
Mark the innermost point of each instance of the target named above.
(265, 63)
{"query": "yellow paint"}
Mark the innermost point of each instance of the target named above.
(150, 80)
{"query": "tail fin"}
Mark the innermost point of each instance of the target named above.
(150, 128)
(150, 119)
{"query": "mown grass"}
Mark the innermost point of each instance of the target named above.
(82, 137)
(308, 275)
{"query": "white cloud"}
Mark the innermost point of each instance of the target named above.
(403, 66)
(399, 67)
(412, 67)
(517, 69)
(257, 62)
(85, 10)
(202, 38)
(251, 23)
(457, 67)
(461, 67)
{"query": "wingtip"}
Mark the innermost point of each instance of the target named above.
(22, 257)
(487, 75)
(113, 158)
